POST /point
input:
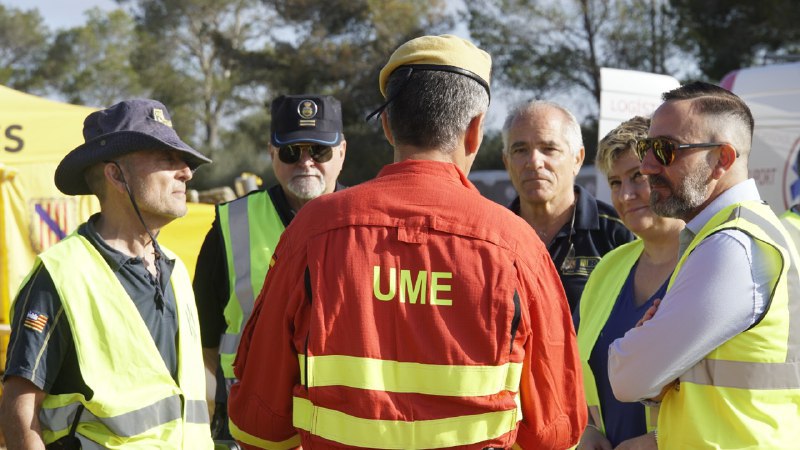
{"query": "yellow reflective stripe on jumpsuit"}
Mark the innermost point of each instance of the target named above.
(394, 376)
(448, 432)
(745, 393)
(406, 377)
(136, 403)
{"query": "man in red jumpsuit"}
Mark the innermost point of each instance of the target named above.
(416, 314)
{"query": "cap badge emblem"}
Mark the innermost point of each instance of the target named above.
(307, 110)
(158, 116)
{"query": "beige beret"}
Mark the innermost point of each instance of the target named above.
(452, 53)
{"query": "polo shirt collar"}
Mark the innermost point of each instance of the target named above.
(586, 213)
(113, 257)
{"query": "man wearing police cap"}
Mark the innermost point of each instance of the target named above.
(104, 348)
(418, 314)
(307, 150)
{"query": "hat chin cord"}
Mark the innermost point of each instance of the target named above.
(156, 248)
(407, 76)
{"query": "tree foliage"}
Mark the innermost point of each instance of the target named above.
(337, 48)
(554, 49)
(182, 34)
(91, 64)
(23, 45)
(725, 35)
(549, 47)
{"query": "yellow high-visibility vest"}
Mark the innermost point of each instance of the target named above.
(248, 250)
(745, 394)
(791, 220)
(597, 301)
(135, 403)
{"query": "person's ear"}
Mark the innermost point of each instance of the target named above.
(579, 161)
(474, 134)
(115, 177)
(387, 131)
(727, 157)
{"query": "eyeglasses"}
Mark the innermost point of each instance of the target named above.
(290, 154)
(664, 149)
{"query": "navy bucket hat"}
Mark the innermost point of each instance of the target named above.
(306, 118)
(127, 127)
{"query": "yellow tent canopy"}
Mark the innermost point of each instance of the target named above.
(185, 235)
(35, 134)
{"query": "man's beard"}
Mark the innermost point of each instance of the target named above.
(683, 201)
(307, 188)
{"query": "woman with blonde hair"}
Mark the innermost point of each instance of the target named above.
(625, 284)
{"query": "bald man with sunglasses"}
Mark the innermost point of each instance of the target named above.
(307, 147)
(721, 352)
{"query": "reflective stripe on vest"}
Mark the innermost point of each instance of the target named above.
(405, 377)
(758, 375)
(248, 253)
(135, 401)
(131, 423)
(243, 286)
(448, 432)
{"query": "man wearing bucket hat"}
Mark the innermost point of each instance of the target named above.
(418, 314)
(308, 150)
(105, 348)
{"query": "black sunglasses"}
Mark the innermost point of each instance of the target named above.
(290, 154)
(664, 149)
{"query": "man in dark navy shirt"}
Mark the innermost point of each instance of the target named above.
(543, 152)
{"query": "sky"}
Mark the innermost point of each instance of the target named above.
(59, 14)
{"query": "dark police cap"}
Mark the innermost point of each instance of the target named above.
(127, 127)
(306, 118)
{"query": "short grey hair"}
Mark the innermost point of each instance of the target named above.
(571, 127)
(433, 109)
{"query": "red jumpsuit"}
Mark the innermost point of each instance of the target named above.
(409, 312)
